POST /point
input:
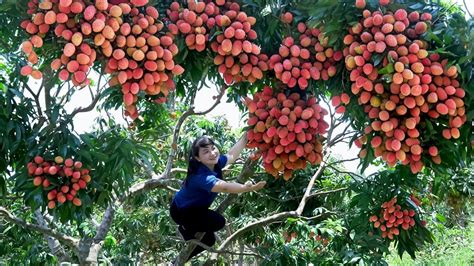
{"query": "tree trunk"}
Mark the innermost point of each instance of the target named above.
(54, 245)
(241, 257)
(89, 252)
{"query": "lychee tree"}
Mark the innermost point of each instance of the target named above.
(398, 75)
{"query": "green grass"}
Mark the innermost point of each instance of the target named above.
(451, 247)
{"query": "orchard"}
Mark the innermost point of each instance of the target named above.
(99, 106)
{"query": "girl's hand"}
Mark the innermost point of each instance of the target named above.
(258, 186)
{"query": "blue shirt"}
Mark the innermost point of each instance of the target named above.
(197, 190)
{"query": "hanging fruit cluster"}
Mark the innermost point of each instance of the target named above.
(141, 57)
(285, 130)
(392, 218)
(193, 23)
(128, 36)
(61, 179)
(58, 17)
(401, 87)
(304, 57)
(238, 58)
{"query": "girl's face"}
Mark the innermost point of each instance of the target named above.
(208, 155)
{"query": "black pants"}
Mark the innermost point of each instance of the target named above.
(198, 219)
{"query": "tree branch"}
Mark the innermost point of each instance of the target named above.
(306, 195)
(106, 223)
(467, 9)
(88, 108)
(41, 118)
(136, 189)
(27, 87)
(279, 217)
(145, 186)
(210, 249)
(338, 136)
(48, 85)
(95, 99)
(322, 193)
(267, 220)
(218, 100)
(322, 166)
(69, 241)
(318, 217)
(60, 87)
(54, 245)
(342, 161)
(66, 96)
(177, 128)
(346, 172)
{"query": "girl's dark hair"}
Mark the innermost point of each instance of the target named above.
(194, 164)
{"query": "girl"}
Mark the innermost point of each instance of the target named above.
(190, 206)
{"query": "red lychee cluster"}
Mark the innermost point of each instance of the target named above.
(401, 86)
(392, 218)
(128, 36)
(237, 56)
(61, 179)
(286, 130)
(308, 57)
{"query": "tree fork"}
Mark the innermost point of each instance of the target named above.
(56, 248)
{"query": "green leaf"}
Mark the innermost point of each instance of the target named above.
(440, 217)
(387, 70)
(3, 186)
(377, 59)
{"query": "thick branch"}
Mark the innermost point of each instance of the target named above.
(69, 241)
(145, 186)
(106, 223)
(48, 85)
(267, 220)
(136, 189)
(54, 245)
(306, 195)
(210, 249)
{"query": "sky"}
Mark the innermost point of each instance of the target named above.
(469, 4)
(85, 121)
